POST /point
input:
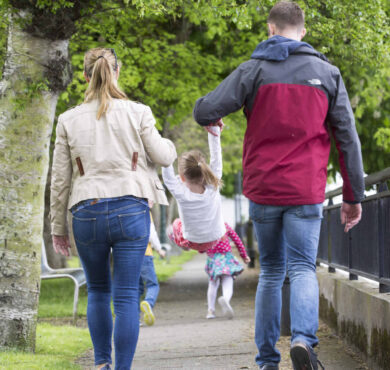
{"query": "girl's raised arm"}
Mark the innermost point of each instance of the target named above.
(215, 152)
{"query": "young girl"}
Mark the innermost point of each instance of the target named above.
(196, 191)
(222, 266)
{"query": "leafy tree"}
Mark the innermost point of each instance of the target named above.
(179, 50)
(355, 37)
(171, 58)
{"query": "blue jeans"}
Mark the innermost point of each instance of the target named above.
(149, 278)
(288, 240)
(123, 225)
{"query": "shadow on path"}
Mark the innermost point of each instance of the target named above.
(182, 338)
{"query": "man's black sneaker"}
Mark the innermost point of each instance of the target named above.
(269, 367)
(303, 357)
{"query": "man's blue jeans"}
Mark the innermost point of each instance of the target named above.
(149, 278)
(123, 225)
(288, 240)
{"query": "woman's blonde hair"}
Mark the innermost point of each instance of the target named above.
(100, 66)
(193, 166)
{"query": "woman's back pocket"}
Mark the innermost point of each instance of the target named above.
(134, 225)
(84, 230)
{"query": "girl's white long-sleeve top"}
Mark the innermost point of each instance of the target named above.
(201, 214)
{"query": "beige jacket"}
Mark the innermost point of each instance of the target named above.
(105, 158)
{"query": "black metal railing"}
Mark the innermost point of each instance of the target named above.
(364, 250)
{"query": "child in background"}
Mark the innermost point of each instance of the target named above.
(148, 275)
(222, 266)
(196, 191)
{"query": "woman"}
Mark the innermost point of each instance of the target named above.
(103, 172)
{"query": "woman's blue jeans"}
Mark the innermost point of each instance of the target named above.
(149, 278)
(288, 240)
(121, 225)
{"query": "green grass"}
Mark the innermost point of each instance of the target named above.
(73, 262)
(56, 298)
(165, 269)
(56, 348)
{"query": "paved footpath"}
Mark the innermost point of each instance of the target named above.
(182, 338)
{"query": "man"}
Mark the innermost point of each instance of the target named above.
(292, 97)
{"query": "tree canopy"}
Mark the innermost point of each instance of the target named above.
(174, 51)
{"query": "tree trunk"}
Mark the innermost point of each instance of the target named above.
(28, 98)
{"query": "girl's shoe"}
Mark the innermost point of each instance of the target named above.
(148, 313)
(227, 310)
(210, 314)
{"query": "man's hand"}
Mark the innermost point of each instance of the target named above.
(350, 215)
(219, 124)
(162, 253)
(61, 244)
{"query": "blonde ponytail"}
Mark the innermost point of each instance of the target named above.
(209, 176)
(100, 66)
(193, 166)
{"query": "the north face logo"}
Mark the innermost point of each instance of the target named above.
(314, 81)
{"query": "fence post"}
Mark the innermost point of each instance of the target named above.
(330, 268)
(353, 276)
(383, 288)
(350, 254)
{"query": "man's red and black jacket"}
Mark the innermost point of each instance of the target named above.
(290, 105)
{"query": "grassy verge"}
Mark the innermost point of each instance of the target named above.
(165, 269)
(56, 348)
(56, 298)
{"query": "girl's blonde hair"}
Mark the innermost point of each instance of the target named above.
(193, 166)
(100, 66)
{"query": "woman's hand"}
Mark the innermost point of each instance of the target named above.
(219, 124)
(247, 259)
(61, 244)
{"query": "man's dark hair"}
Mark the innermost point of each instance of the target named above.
(286, 14)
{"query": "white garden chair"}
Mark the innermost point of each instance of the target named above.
(76, 274)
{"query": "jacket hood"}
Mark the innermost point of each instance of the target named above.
(278, 48)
